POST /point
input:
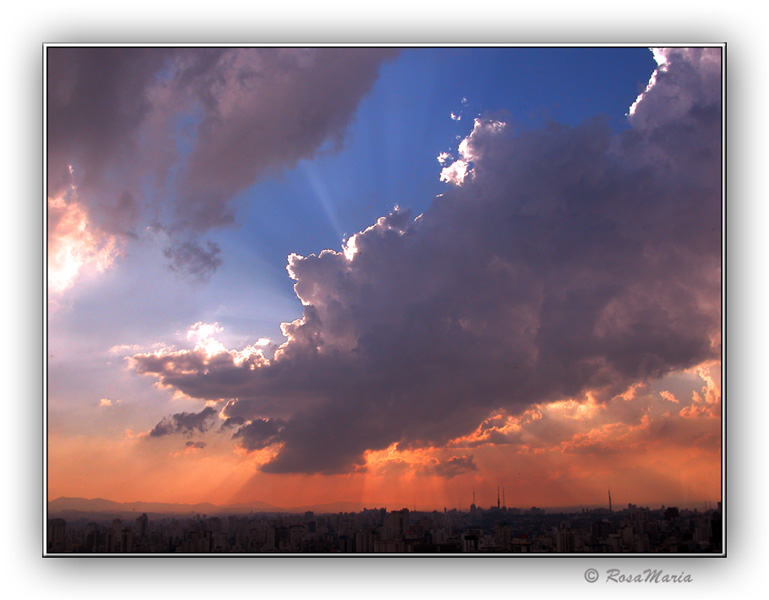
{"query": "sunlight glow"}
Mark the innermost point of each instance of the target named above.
(350, 249)
(74, 245)
(662, 66)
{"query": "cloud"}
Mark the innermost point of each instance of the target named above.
(75, 245)
(191, 259)
(172, 135)
(185, 423)
(451, 467)
(259, 433)
(629, 424)
(669, 397)
(560, 264)
(231, 422)
(687, 81)
(426, 462)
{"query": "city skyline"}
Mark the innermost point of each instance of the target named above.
(378, 531)
(389, 275)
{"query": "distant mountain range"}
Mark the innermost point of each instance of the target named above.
(98, 507)
(71, 506)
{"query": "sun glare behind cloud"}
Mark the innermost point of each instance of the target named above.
(75, 245)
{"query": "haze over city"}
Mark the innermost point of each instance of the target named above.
(385, 276)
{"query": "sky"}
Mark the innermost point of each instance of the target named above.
(390, 276)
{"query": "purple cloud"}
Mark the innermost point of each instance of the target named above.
(129, 121)
(185, 423)
(259, 433)
(558, 262)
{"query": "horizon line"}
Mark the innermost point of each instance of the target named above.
(689, 505)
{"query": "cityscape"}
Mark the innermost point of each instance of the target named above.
(493, 530)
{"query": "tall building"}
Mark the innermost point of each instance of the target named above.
(364, 540)
(396, 524)
(142, 525)
(57, 533)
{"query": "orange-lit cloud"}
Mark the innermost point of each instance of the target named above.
(637, 417)
(707, 401)
(645, 452)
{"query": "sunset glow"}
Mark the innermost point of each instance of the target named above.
(273, 294)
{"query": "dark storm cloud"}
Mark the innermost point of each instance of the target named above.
(259, 433)
(181, 131)
(185, 423)
(196, 445)
(561, 262)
